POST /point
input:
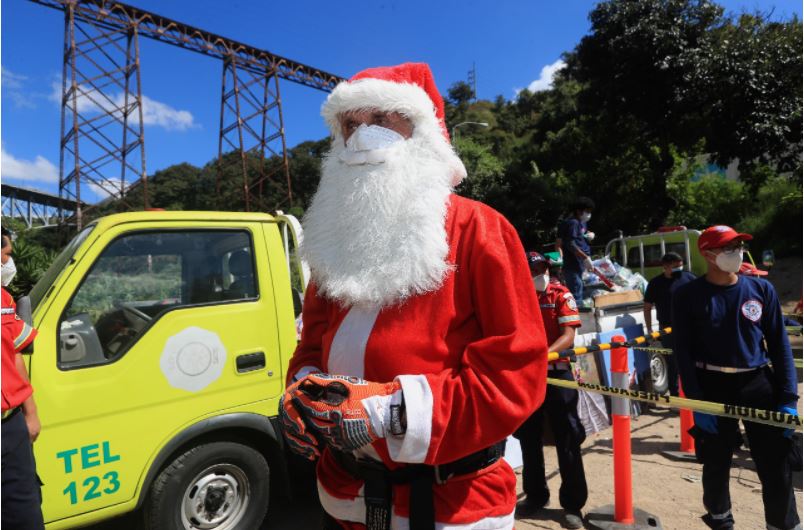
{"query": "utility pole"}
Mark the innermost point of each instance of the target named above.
(472, 79)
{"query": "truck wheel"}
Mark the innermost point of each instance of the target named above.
(658, 373)
(220, 485)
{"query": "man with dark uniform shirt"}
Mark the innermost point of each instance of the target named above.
(732, 348)
(560, 408)
(658, 294)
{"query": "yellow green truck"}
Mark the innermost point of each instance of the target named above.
(163, 343)
(643, 253)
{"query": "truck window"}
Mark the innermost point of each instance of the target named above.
(653, 254)
(678, 248)
(294, 262)
(58, 265)
(296, 276)
(142, 275)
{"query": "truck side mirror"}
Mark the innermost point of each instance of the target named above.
(25, 313)
(24, 310)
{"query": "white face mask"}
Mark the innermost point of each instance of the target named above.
(678, 269)
(8, 272)
(729, 261)
(368, 145)
(585, 217)
(541, 281)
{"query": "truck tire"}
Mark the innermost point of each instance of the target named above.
(658, 373)
(218, 485)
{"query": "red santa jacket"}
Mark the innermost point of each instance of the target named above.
(471, 359)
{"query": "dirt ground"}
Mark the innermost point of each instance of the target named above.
(670, 490)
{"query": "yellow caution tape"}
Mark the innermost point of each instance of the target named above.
(582, 350)
(663, 351)
(767, 417)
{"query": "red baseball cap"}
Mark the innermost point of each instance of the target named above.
(749, 270)
(719, 236)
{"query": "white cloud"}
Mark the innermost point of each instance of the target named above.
(104, 189)
(153, 112)
(14, 89)
(545, 81)
(162, 115)
(38, 170)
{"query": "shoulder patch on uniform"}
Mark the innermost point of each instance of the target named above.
(752, 310)
(571, 301)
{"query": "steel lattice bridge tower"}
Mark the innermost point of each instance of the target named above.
(102, 134)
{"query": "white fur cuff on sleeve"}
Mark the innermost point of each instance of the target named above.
(412, 447)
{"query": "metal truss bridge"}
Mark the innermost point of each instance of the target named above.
(102, 135)
(34, 207)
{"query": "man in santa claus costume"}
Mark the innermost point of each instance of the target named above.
(423, 346)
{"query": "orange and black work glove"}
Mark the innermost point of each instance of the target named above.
(348, 412)
(299, 438)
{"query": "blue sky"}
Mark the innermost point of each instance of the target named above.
(512, 43)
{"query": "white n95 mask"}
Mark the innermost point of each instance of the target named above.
(729, 261)
(369, 145)
(541, 281)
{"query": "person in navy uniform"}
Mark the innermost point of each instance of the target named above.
(732, 348)
(573, 245)
(560, 408)
(658, 294)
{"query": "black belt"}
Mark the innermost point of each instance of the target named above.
(8, 414)
(379, 481)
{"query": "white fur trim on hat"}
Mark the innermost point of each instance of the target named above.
(388, 96)
(406, 98)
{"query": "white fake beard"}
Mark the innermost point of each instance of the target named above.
(375, 234)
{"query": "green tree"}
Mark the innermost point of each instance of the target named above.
(660, 75)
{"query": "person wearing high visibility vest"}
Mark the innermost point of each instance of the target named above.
(21, 496)
(732, 348)
(560, 317)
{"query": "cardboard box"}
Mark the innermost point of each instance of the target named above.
(621, 297)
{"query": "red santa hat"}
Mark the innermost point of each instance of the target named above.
(408, 89)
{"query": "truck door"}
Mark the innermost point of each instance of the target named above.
(155, 329)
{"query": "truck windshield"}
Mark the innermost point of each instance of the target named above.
(58, 265)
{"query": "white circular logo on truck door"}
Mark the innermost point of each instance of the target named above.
(193, 359)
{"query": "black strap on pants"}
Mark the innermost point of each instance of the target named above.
(379, 481)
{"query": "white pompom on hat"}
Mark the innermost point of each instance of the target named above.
(408, 89)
